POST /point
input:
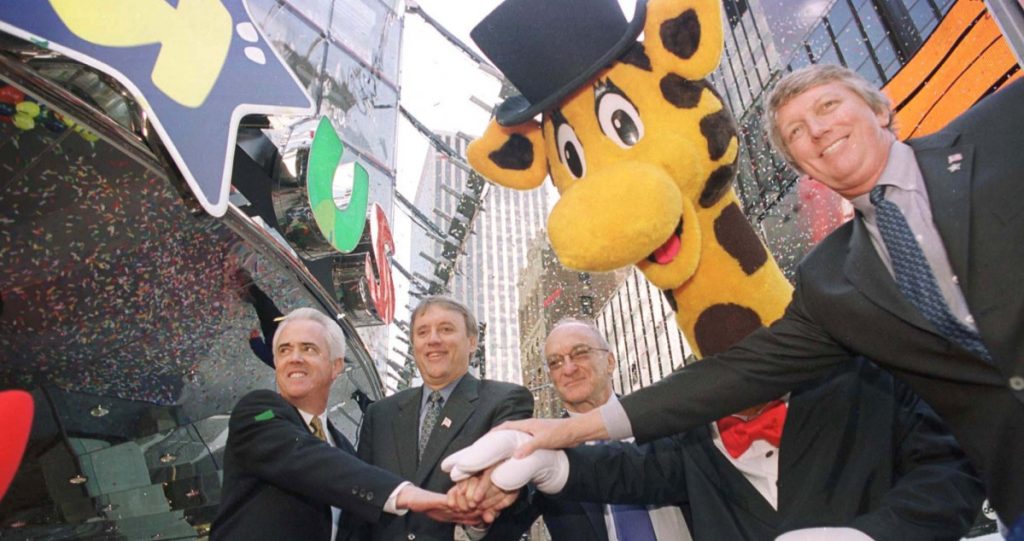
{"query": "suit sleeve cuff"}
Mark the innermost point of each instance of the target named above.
(391, 505)
(616, 422)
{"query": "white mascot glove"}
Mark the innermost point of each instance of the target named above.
(825, 534)
(489, 449)
(548, 470)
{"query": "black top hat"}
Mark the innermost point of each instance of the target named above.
(548, 48)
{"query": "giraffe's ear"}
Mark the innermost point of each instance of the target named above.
(684, 36)
(512, 156)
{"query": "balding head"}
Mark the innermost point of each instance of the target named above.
(580, 365)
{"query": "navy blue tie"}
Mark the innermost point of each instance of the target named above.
(632, 523)
(914, 276)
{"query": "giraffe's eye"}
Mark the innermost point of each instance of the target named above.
(619, 119)
(570, 151)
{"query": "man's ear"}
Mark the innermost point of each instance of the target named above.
(511, 156)
(338, 366)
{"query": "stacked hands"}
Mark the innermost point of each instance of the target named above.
(488, 478)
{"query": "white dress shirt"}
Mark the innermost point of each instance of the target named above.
(759, 464)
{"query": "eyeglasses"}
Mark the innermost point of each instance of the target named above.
(557, 360)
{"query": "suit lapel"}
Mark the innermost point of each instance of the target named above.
(947, 175)
(865, 270)
(456, 411)
(799, 436)
(595, 513)
(721, 473)
(405, 429)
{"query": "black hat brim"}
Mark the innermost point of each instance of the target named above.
(517, 109)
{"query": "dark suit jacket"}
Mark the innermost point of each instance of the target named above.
(845, 301)
(570, 519)
(859, 449)
(280, 481)
(390, 434)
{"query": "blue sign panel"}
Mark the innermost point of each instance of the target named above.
(196, 66)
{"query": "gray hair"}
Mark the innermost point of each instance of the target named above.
(803, 79)
(449, 304)
(333, 334)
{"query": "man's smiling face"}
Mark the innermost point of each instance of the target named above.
(303, 367)
(442, 345)
(836, 138)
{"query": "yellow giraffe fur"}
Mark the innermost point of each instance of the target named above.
(624, 192)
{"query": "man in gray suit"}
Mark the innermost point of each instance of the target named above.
(925, 280)
(409, 433)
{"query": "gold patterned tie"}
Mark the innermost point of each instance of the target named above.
(318, 428)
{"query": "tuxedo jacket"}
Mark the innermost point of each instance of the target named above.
(280, 481)
(858, 449)
(390, 438)
(846, 302)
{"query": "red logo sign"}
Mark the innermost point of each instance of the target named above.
(382, 287)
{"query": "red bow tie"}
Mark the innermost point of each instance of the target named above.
(737, 434)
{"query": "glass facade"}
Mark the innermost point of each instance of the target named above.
(134, 319)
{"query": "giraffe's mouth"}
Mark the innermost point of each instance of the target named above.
(670, 248)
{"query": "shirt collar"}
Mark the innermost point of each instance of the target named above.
(445, 391)
(900, 172)
(308, 418)
(611, 399)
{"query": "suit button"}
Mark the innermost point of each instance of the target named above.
(355, 490)
(411, 536)
(1017, 383)
(369, 496)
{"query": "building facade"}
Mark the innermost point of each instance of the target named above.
(484, 277)
(548, 293)
(145, 311)
(934, 58)
(641, 328)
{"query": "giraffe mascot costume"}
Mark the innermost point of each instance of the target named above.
(643, 153)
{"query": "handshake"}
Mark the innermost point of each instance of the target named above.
(487, 478)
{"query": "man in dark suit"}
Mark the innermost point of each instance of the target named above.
(962, 349)
(409, 433)
(580, 365)
(288, 473)
(856, 450)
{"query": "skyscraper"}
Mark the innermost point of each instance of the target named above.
(485, 276)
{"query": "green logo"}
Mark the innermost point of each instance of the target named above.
(338, 195)
(265, 416)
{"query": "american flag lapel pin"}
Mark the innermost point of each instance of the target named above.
(954, 162)
(447, 423)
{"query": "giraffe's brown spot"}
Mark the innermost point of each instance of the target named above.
(516, 153)
(636, 56)
(671, 299)
(681, 35)
(719, 129)
(680, 92)
(737, 238)
(722, 325)
(718, 183)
